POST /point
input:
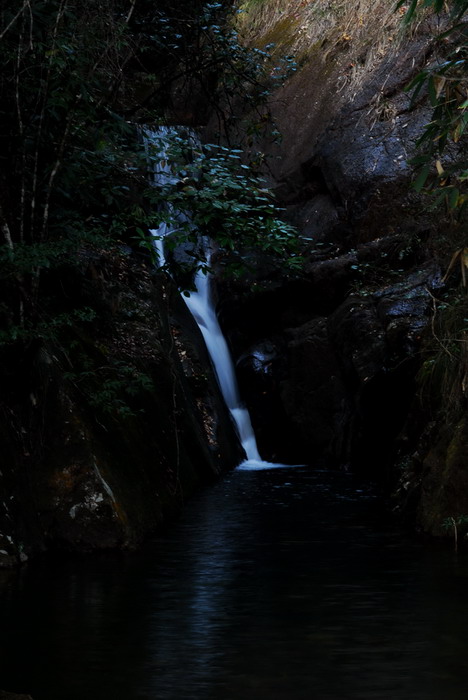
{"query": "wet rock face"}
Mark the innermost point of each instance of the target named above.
(347, 333)
(260, 370)
(313, 365)
(444, 481)
(336, 389)
(95, 458)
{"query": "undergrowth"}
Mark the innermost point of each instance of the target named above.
(443, 377)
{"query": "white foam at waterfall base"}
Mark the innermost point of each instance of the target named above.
(255, 465)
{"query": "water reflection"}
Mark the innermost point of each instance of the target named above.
(275, 584)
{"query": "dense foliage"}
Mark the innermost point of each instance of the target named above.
(210, 193)
(442, 172)
(77, 79)
(442, 163)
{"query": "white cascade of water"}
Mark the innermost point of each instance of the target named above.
(161, 175)
(201, 306)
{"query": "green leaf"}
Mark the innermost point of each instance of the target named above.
(410, 12)
(453, 198)
(432, 89)
(421, 178)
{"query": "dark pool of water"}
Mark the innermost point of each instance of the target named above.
(276, 585)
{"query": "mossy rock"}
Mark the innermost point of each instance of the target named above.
(444, 493)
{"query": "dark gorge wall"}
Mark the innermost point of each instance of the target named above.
(105, 434)
(330, 360)
(110, 415)
(333, 351)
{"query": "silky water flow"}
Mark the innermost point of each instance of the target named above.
(201, 306)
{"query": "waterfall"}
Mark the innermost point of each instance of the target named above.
(161, 174)
(200, 304)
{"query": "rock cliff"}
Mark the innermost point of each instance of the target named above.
(334, 364)
(105, 436)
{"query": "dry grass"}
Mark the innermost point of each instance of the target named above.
(362, 31)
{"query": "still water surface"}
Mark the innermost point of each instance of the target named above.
(284, 584)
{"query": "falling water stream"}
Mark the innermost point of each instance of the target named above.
(202, 309)
(200, 304)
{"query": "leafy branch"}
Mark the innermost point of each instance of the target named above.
(221, 197)
(73, 178)
(442, 163)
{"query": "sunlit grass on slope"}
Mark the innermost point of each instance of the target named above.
(362, 31)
